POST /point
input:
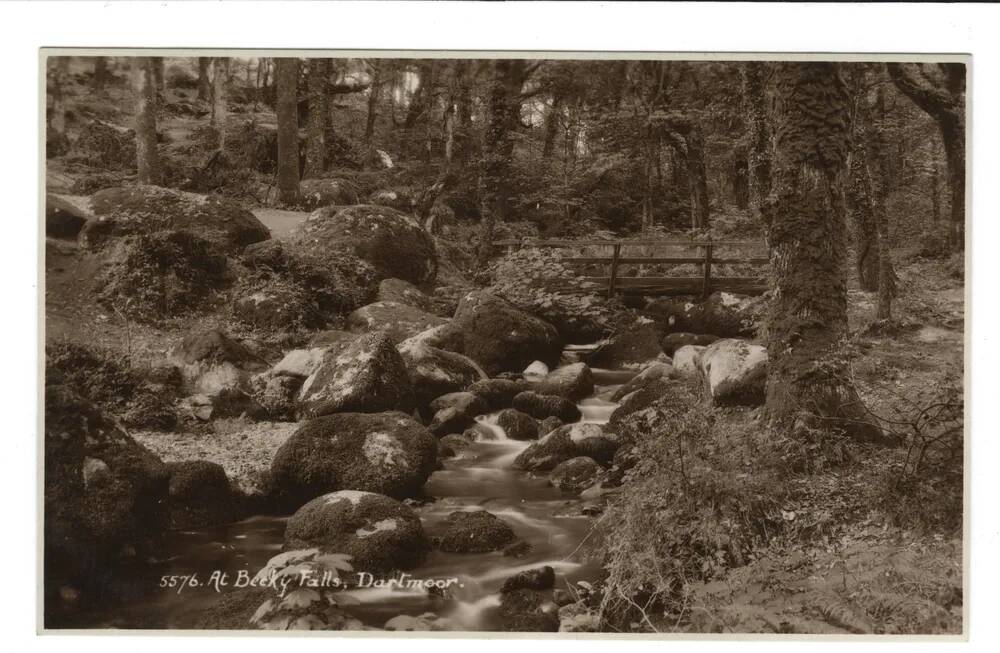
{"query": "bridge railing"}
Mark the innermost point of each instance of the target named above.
(704, 254)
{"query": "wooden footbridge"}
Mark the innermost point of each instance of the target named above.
(626, 261)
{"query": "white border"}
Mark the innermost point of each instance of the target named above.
(540, 26)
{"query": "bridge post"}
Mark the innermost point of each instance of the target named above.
(613, 276)
(706, 282)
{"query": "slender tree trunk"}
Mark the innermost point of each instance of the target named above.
(754, 76)
(100, 74)
(158, 73)
(59, 79)
(204, 83)
(943, 101)
(218, 118)
(286, 76)
(374, 95)
(698, 178)
(319, 110)
(144, 91)
(806, 381)
(880, 175)
(551, 126)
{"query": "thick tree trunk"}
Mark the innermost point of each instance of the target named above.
(319, 110)
(944, 101)
(551, 126)
(880, 175)
(204, 83)
(374, 95)
(218, 118)
(286, 75)
(144, 91)
(806, 380)
(758, 134)
(100, 74)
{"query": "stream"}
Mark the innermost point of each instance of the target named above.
(481, 477)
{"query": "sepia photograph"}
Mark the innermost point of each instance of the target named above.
(582, 343)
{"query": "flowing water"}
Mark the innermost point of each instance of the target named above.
(548, 519)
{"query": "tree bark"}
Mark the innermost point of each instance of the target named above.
(144, 90)
(551, 126)
(59, 79)
(319, 110)
(374, 95)
(286, 75)
(807, 385)
(754, 78)
(509, 76)
(100, 74)
(158, 73)
(218, 118)
(204, 83)
(944, 101)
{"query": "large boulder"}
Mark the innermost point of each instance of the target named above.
(686, 359)
(105, 495)
(501, 337)
(575, 474)
(392, 241)
(649, 374)
(63, 219)
(498, 393)
(317, 193)
(541, 406)
(734, 372)
(674, 341)
(388, 453)
(723, 314)
(404, 292)
(200, 495)
(398, 321)
(573, 382)
(474, 531)
(517, 425)
(455, 412)
(216, 371)
(286, 287)
(367, 376)
(628, 348)
(566, 442)
(146, 209)
(379, 533)
(434, 372)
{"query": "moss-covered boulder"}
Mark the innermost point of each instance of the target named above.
(367, 376)
(517, 425)
(317, 193)
(398, 321)
(566, 442)
(388, 453)
(404, 292)
(452, 445)
(152, 277)
(542, 406)
(105, 495)
(392, 241)
(474, 531)
(573, 382)
(434, 372)
(575, 474)
(525, 611)
(723, 314)
(216, 370)
(650, 373)
(455, 412)
(628, 348)
(379, 533)
(400, 199)
(147, 209)
(498, 393)
(293, 288)
(501, 337)
(200, 495)
(674, 341)
(734, 372)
